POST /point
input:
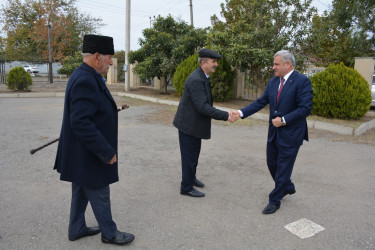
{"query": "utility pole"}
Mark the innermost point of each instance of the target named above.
(191, 13)
(50, 74)
(127, 46)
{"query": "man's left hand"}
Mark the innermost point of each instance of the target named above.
(277, 122)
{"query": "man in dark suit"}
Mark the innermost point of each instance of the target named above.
(193, 119)
(289, 95)
(87, 150)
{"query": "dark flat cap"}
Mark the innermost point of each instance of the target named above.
(95, 43)
(207, 53)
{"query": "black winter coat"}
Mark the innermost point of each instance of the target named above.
(88, 138)
(195, 110)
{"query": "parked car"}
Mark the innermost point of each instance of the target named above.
(373, 91)
(30, 69)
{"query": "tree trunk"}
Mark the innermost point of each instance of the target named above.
(163, 85)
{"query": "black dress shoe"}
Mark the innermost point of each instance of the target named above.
(270, 209)
(289, 192)
(90, 232)
(120, 238)
(197, 183)
(193, 193)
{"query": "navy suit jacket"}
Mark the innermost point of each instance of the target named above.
(195, 111)
(295, 104)
(88, 138)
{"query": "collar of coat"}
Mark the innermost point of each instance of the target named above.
(94, 73)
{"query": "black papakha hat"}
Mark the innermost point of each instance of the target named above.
(207, 53)
(101, 44)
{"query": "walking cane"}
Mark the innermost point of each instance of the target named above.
(32, 151)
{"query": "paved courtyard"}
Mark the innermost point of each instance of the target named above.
(334, 181)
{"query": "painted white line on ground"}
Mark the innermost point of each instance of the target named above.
(304, 228)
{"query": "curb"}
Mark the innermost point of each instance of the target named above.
(264, 117)
(258, 116)
(32, 94)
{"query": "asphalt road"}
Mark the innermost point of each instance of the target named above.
(334, 181)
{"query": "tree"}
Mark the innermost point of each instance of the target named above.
(344, 33)
(254, 30)
(325, 42)
(356, 16)
(120, 55)
(164, 46)
(2, 49)
(70, 63)
(26, 32)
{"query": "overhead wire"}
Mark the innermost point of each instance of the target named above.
(323, 4)
(116, 9)
(110, 8)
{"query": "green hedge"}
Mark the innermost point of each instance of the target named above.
(340, 92)
(18, 79)
(221, 80)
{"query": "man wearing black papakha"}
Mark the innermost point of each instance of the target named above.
(87, 150)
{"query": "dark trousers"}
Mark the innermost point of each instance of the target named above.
(280, 161)
(101, 205)
(190, 148)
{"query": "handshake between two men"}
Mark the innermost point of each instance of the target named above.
(234, 115)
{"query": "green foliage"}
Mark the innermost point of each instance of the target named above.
(346, 32)
(120, 55)
(254, 30)
(221, 79)
(325, 43)
(183, 71)
(356, 17)
(340, 92)
(2, 49)
(70, 63)
(19, 79)
(164, 46)
(24, 23)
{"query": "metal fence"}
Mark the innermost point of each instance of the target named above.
(41, 67)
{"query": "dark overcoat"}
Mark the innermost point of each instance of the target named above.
(195, 110)
(88, 138)
(295, 104)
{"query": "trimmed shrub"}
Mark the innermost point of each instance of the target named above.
(183, 71)
(340, 92)
(18, 79)
(221, 79)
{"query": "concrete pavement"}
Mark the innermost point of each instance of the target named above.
(334, 181)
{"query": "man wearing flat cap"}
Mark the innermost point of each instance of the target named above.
(87, 150)
(193, 119)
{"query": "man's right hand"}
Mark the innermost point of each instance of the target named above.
(233, 115)
(113, 160)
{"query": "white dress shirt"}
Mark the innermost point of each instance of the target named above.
(285, 79)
